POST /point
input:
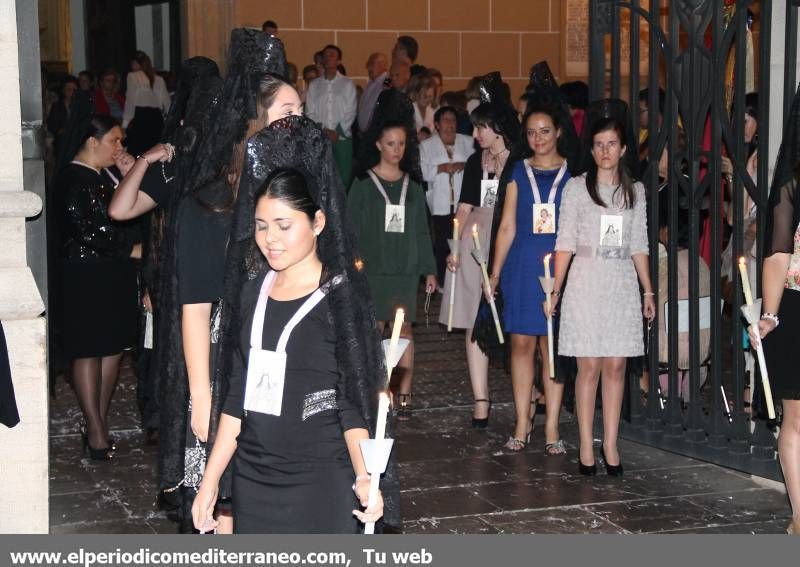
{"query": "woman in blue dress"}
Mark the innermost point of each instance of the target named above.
(534, 192)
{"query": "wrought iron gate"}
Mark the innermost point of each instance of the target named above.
(687, 53)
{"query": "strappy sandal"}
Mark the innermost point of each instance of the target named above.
(555, 448)
(404, 410)
(515, 445)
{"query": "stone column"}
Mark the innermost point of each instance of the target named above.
(23, 449)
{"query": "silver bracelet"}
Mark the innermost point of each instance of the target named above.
(771, 317)
(144, 157)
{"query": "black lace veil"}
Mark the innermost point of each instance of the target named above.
(199, 84)
(251, 55)
(394, 107)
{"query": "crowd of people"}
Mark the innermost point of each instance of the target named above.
(251, 218)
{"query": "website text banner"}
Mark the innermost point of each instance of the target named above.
(396, 551)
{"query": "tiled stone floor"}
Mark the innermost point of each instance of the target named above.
(454, 479)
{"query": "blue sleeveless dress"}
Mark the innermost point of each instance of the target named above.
(519, 280)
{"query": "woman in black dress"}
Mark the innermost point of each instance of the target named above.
(779, 325)
(154, 184)
(296, 408)
(99, 279)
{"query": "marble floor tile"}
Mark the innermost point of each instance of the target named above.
(548, 493)
(443, 503)
(658, 515)
(92, 506)
(747, 506)
(464, 525)
(468, 471)
(552, 521)
(105, 527)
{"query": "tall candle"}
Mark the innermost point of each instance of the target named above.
(380, 437)
(399, 316)
(748, 296)
(475, 237)
(548, 302)
(753, 316)
(383, 411)
(455, 229)
(547, 267)
(487, 284)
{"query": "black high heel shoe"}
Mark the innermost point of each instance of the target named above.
(482, 423)
(104, 454)
(405, 410)
(587, 470)
(611, 470)
(112, 441)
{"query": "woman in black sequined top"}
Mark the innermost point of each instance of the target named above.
(98, 278)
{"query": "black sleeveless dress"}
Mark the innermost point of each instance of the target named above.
(292, 473)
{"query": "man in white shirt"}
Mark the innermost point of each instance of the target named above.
(377, 67)
(331, 102)
(442, 157)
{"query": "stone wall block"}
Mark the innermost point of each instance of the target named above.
(397, 14)
(513, 15)
(460, 15)
(335, 15)
(253, 13)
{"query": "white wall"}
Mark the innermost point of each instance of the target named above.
(77, 16)
(145, 41)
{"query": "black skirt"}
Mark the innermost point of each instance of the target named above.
(100, 307)
(781, 346)
(269, 501)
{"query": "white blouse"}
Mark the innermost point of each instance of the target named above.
(140, 93)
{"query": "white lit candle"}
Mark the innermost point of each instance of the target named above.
(487, 285)
(547, 266)
(748, 296)
(383, 413)
(549, 303)
(399, 317)
(762, 363)
(452, 301)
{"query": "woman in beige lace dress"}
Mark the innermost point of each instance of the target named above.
(601, 319)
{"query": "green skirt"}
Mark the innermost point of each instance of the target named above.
(391, 292)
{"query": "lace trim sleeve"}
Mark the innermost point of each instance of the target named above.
(783, 217)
